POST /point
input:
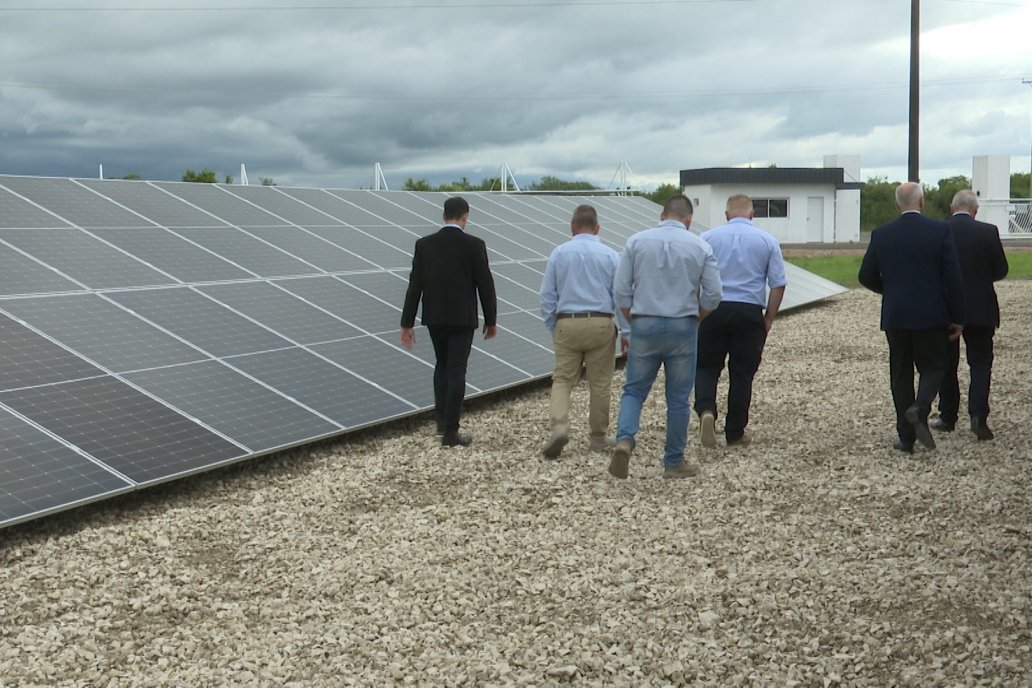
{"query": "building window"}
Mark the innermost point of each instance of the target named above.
(770, 207)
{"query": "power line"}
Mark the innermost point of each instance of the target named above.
(383, 6)
(266, 94)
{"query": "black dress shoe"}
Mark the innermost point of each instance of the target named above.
(454, 439)
(981, 430)
(942, 425)
(924, 435)
(900, 445)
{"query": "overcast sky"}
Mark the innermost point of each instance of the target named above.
(314, 92)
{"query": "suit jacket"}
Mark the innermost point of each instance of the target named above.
(449, 270)
(982, 262)
(912, 262)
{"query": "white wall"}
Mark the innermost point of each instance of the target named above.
(700, 196)
(788, 230)
(990, 177)
(847, 216)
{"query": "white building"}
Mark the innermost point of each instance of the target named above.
(796, 204)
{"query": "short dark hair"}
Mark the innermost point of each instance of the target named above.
(455, 207)
(585, 217)
(678, 206)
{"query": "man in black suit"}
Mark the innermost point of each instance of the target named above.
(449, 271)
(982, 262)
(912, 262)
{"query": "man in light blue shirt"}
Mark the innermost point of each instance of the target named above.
(576, 300)
(667, 281)
(750, 262)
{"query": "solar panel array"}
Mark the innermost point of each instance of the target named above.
(153, 330)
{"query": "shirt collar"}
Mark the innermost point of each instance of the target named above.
(454, 225)
(672, 223)
(586, 237)
(962, 212)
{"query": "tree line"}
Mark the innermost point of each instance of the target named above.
(878, 200)
(546, 183)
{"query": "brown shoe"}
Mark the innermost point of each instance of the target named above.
(602, 444)
(681, 470)
(742, 441)
(554, 447)
(708, 430)
(621, 458)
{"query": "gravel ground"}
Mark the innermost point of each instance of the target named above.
(815, 556)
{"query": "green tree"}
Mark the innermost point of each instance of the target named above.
(1019, 185)
(416, 185)
(267, 181)
(663, 193)
(205, 175)
(877, 203)
(550, 183)
(939, 197)
(132, 175)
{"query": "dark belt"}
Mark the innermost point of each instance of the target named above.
(586, 314)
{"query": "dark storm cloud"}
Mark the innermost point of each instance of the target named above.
(315, 97)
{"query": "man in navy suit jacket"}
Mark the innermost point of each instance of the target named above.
(449, 272)
(912, 262)
(982, 262)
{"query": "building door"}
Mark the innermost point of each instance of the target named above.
(814, 219)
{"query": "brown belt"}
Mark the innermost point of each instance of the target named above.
(587, 314)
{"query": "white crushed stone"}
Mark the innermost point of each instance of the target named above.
(816, 556)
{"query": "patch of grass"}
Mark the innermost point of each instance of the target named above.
(842, 269)
(839, 269)
(1020, 263)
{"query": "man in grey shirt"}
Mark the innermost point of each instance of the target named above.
(666, 282)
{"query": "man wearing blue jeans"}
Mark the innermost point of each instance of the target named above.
(666, 282)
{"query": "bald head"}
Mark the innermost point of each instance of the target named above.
(964, 201)
(909, 196)
(739, 205)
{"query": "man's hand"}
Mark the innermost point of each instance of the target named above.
(490, 331)
(625, 345)
(408, 337)
(955, 331)
(768, 323)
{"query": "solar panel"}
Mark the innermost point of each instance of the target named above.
(153, 330)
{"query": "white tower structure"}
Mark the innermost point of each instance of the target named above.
(505, 174)
(379, 181)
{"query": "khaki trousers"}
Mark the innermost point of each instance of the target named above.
(588, 342)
